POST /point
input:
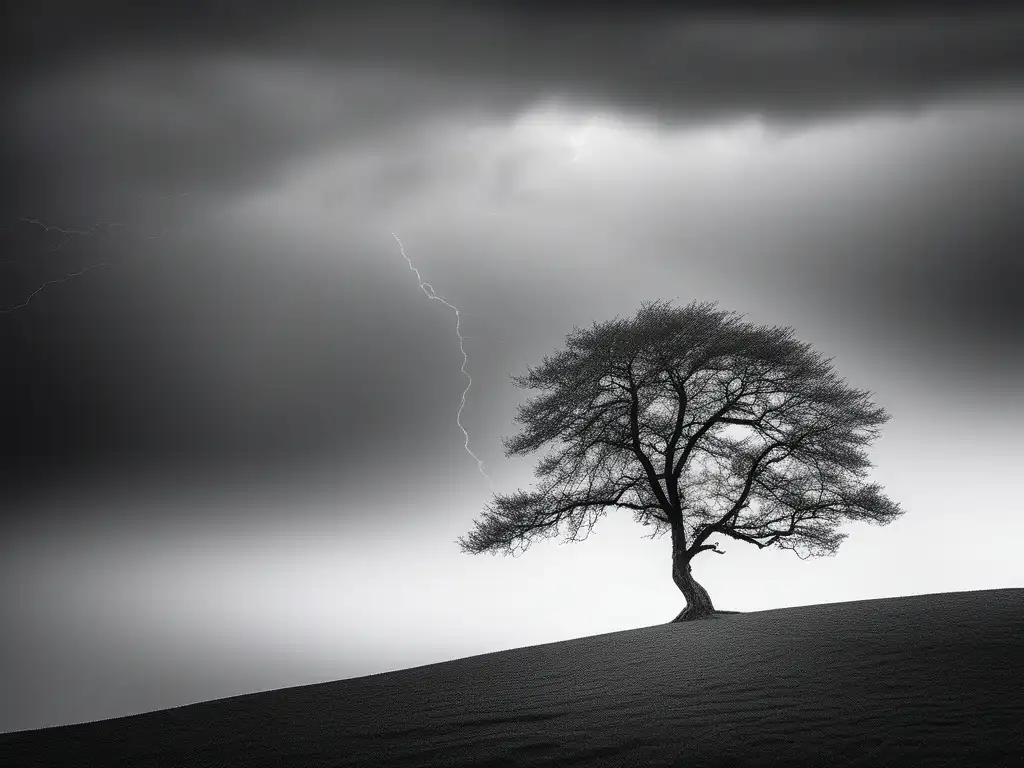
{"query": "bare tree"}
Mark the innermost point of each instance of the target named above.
(703, 425)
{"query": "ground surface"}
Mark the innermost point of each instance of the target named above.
(932, 680)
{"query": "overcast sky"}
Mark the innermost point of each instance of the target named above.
(232, 460)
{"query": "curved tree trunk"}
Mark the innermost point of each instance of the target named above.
(698, 602)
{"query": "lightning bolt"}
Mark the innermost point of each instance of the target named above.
(71, 234)
(42, 287)
(431, 294)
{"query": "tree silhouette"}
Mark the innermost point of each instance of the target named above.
(703, 425)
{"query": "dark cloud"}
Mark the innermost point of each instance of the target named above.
(169, 88)
(956, 304)
(194, 358)
(718, 56)
(932, 270)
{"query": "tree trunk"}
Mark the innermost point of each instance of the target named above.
(698, 602)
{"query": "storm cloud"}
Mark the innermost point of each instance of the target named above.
(220, 95)
(170, 115)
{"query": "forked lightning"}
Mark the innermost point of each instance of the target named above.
(431, 294)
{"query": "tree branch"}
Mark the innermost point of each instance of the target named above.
(634, 426)
(752, 473)
(709, 548)
(677, 432)
(691, 444)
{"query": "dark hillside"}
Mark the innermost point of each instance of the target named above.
(928, 680)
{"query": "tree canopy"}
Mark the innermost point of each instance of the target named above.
(700, 424)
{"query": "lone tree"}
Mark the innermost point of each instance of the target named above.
(701, 424)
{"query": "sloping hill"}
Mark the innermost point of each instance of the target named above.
(929, 680)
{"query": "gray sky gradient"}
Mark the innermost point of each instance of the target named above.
(229, 453)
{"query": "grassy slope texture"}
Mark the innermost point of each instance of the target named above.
(928, 680)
